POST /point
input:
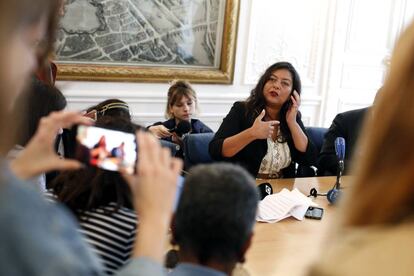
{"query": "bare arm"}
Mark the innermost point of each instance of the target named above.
(232, 145)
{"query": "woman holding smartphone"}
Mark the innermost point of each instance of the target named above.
(265, 133)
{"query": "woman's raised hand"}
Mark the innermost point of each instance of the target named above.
(263, 129)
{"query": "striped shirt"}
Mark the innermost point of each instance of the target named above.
(111, 234)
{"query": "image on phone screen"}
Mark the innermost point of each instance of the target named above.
(106, 149)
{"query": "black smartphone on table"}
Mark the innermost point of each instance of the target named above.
(314, 213)
(106, 148)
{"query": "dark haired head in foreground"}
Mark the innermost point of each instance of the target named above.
(39, 101)
(215, 217)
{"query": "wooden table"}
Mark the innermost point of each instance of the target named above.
(288, 247)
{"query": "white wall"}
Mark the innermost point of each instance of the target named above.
(327, 42)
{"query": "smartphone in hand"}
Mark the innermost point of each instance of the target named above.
(106, 149)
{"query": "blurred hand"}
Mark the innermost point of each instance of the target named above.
(39, 156)
(160, 131)
(262, 129)
(154, 185)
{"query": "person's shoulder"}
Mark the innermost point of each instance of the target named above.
(351, 118)
(240, 104)
(50, 224)
(197, 122)
(239, 107)
(353, 113)
(13, 187)
(170, 123)
(21, 199)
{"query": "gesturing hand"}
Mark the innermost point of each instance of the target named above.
(263, 129)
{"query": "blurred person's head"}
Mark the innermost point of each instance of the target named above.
(110, 107)
(181, 101)
(26, 37)
(91, 187)
(383, 191)
(39, 101)
(215, 216)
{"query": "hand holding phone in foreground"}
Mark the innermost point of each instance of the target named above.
(39, 156)
(154, 190)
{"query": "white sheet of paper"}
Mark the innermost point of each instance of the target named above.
(276, 207)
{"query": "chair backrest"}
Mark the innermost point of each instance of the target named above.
(196, 149)
(316, 135)
(173, 147)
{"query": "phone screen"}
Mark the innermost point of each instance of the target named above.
(107, 149)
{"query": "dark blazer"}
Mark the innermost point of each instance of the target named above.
(347, 125)
(251, 156)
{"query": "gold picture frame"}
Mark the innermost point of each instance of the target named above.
(85, 71)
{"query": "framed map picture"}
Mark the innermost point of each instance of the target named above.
(148, 40)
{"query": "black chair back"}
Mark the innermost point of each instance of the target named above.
(196, 149)
(316, 135)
